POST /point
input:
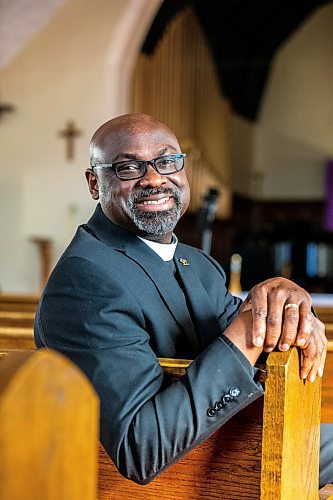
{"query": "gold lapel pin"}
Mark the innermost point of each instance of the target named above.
(184, 262)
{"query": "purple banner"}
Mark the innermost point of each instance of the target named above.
(328, 222)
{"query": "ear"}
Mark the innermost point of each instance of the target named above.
(92, 183)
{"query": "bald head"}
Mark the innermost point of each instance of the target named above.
(124, 132)
(150, 204)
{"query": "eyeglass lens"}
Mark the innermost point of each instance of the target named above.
(136, 169)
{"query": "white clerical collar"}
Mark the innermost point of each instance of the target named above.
(165, 251)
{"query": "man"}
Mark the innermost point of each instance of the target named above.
(126, 292)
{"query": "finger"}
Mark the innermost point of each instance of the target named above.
(267, 307)
(309, 356)
(275, 322)
(314, 370)
(320, 327)
(319, 340)
(290, 326)
(305, 324)
(322, 362)
(314, 358)
(258, 298)
(320, 348)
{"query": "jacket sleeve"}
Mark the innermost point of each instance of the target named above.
(145, 427)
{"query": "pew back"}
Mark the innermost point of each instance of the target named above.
(48, 429)
(269, 451)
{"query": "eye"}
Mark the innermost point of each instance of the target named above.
(167, 161)
(128, 167)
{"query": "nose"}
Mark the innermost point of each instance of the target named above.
(152, 178)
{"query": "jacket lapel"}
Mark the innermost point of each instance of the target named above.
(208, 327)
(164, 281)
(124, 241)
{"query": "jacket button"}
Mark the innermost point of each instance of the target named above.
(234, 392)
(227, 398)
(211, 412)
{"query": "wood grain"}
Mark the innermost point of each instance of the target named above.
(327, 387)
(48, 429)
(226, 466)
(290, 454)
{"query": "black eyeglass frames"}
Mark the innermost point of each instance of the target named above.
(134, 169)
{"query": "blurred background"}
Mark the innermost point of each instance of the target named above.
(247, 87)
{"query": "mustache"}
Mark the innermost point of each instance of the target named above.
(146, 193)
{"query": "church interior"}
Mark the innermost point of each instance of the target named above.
(248, 95)
(248, 89)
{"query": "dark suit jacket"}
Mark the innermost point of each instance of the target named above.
(112, 307)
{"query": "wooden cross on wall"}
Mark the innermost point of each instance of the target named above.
(70, 133)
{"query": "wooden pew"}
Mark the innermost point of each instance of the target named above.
(269, 451)
(48, 429)
(17, 318)
(18, 302)
(12, 337)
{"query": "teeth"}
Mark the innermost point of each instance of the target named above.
(155, 202)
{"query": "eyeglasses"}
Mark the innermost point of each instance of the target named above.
(134, 169)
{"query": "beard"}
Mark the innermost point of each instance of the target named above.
(157, 223)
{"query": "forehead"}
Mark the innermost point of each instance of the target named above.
(143, 141)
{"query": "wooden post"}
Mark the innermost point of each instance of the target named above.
(44, 246)
(290, 447)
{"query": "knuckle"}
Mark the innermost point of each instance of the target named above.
(273, 320)
(321, 351)
(306, 315)
(260, 313)
(311, 355)
(321, 325)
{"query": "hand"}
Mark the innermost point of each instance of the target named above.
(271, 322)
(274, 325)
(240, 333)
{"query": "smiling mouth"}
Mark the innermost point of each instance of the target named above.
(154, 202)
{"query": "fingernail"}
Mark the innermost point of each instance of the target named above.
(301, 342)
(284, 347)
(320, 372)
(312, 378)
(258, 341)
